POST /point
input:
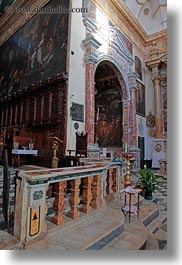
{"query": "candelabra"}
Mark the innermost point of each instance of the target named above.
(128, 157)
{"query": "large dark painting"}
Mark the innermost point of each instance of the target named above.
(108, 117)
(36, 51)
(140, 99)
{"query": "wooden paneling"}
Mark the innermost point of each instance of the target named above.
(41, 110)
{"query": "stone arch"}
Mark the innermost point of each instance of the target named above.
(125, 92)
(108, 78)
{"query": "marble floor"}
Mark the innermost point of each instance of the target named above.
(157, 228)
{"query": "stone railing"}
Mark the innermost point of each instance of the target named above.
(91, 184)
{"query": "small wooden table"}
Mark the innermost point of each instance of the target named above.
(129, 209)
(17, 153)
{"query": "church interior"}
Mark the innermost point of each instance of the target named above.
(83, 124)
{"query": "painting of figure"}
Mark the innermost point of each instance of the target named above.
(36, 51)
(140, 99)
(138, 67)
(109, 117)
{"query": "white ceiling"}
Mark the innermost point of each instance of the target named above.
(151, 14)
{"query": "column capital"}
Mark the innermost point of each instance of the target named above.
(132, 77)
(91, 46)
(156, 79)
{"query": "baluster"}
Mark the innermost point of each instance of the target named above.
(74, 198)
(59, 202)
(109, 181)
(96, 192)
(87, 195)
(115, 180)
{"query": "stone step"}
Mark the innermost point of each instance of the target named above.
(103, 232)
(96, 234)
(7, 241)
(151, 243)
(105, 228)
(134, 237)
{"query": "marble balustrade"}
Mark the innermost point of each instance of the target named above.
(97, 181)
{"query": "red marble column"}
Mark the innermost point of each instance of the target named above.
(90, 102)
(133, 124)
(158, 107)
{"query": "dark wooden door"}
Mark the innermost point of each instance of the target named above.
(141, 145)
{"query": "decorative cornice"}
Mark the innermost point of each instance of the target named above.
(91, 45)
(125, 12)
(116, 10)
(157, 61)
(112, 8)
(115, 40)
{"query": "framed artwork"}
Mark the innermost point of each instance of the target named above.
(108, 115)
(140, 99)
(77, 112)
(138, 67)
(37, 51)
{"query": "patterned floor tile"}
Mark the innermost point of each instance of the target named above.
(159, 226)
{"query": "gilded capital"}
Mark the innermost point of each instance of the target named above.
(156, 79)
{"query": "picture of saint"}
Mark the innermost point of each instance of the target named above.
(140, 99)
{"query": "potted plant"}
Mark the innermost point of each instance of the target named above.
(149, 181)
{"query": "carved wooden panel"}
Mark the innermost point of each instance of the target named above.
(31, 110)
(24, 105)
(18, 113)
(54, 108)
(38, 112)
(41, 112)
(46, 107)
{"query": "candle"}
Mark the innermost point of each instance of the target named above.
(104, 152)
(97, 114)
(125, 147)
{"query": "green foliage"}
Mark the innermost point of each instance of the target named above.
(148, 180)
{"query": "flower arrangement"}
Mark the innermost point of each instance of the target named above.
(96, 139)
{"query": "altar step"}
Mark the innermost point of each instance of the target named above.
(7, 241)
(103, 229)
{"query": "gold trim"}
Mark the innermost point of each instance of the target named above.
(125, 15)
(156, 62)
(115, 10)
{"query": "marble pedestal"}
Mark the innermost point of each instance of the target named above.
(93, 150)
(136, 152)
(160, 150)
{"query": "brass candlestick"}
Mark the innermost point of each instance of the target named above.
(128, 157)
(55, 140)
